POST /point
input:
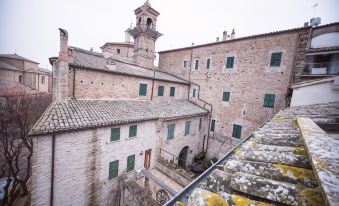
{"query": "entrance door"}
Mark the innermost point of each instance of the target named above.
(183, 157)
(147, 162)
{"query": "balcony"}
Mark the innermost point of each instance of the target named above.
(321, 69)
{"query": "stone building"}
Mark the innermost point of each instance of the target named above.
(24, 75)
(111, 115)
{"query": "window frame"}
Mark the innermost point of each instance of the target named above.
(212, 126)
(112, 175)
(196, 64)
(131, 132)
(236, 133)
(228, 96)
(160, 94)
(227, 66)
(187, 128)
(118, 51)
(193, 92)
(129, 168)
(20, 78)
(273, 62)
(172, 90)
(185, 64)
(142, 87)
(269, 100)
(42, 79)
(170, 134)
(208, 63)
(115, 128)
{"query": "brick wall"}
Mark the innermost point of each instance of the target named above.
(82, 162)
(247, 82)
(91, 84)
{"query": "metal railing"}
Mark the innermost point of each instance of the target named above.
(323, 68)
(174, 157)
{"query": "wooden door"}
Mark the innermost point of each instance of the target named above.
(147, 162)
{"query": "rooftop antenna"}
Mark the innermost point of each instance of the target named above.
(315, 9)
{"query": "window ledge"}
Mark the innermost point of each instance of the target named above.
(130, 138)
(112, 142)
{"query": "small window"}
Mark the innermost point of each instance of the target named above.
(208, 63)
(269, 100)
(42, 79)
(194, 90)
(118, 51)
(187, 127)
(172, 91)
(196, 66)
(236, 131)
(115, 134)
(185, 64)
(226, 96)
(276, 59)
(133, 131)
(212, 125)
(142, 89)
(160, 90)
(229, 62)
(170, 131)
(200, 122)
(113, 169)
(20, 78)
(130, 163)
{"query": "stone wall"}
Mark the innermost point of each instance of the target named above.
(247, 82)
(91, 84)
(82, 163)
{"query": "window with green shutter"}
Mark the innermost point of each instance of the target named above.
(208, 63)
(229, 62)
(212, 125)
(133, 131)
(226, 96)
(130, 163)
(115, 134)
(170, 131)
(269, 100)
(187, 127)
(172, 91)
(142, 89)
(160, 90)
(276, 59)
(194, 90)
(113, 169)
(236, 131)
(196, 66)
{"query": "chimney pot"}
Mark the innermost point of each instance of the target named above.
(217, 39)
(224, 36)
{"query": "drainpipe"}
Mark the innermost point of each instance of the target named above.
(152, 84)
(74, 82)
(52, 170)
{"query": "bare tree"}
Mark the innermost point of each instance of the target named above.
(18, 113)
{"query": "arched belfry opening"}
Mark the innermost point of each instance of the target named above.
(149, 23)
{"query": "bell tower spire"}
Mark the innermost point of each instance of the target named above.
(145, 35)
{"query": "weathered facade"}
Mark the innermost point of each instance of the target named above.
(23, 74)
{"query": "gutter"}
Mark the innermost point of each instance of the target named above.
(52, 171)
(190, 187)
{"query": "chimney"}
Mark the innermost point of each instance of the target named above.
(224, 36)
(306, 24)
(217, 39)
(233, 34)
(61, 69)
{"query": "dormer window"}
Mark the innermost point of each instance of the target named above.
(149, 23)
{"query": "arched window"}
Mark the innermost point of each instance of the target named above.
(149, 23)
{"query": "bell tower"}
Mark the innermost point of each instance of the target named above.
(145, 35)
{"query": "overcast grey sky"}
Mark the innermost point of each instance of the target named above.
(30, 27)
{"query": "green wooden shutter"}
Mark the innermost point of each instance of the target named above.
(266, 100)
(226, 96)
(133, 131)
(271, 100)
(115, 134)
(212, 125)
(142, 89)
(230, 62)
(170, 131)
(276, 59)
(130, 163)
(172, 91)
(113, 169)
(187, 127)
(160, 90)
(236, 131)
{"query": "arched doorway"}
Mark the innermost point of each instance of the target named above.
(183, 157)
